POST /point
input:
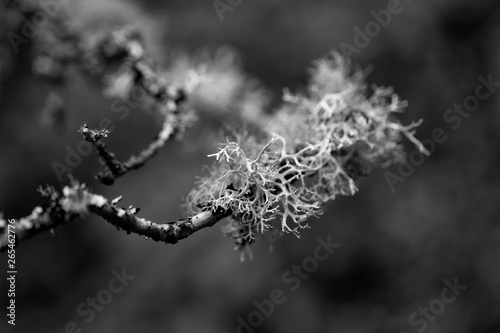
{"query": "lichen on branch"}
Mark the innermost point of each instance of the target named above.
(314, 148)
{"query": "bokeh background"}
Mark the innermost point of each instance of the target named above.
(396, 247)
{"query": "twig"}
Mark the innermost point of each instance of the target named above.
(115, 168)
(76, 201)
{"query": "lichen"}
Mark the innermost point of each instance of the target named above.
(314, 148)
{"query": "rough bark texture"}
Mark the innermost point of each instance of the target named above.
(76, 201)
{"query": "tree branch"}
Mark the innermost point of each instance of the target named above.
(76, 201)
(137, 71)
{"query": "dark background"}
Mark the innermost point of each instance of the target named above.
(396, 247)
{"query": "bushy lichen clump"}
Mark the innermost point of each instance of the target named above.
(314, 148)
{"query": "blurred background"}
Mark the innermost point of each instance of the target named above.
(397, 247)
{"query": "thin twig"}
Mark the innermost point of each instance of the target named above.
(115, 168)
